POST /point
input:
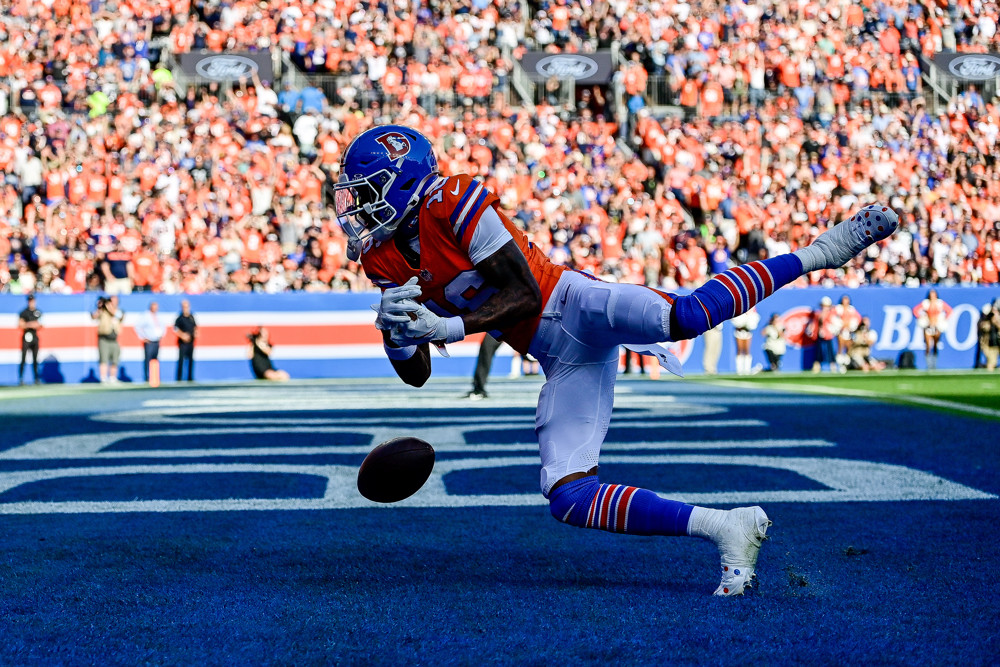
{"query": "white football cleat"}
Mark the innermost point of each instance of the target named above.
(739, 540)
(841, 243)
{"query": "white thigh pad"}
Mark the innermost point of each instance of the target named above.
(574, 410)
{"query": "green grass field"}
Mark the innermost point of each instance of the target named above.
(975, 392)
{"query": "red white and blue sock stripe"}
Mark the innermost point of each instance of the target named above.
(747, 284)
(609, 508)
(731, 293)
(618, 508)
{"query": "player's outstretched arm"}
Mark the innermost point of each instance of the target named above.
(414, 370)
(518, 298)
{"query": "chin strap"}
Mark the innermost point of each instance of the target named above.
(357, 247)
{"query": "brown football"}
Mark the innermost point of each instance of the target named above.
(395, 470)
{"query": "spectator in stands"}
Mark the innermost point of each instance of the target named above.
(819, 106)
(116, 270)
(719, 259)
(310, 100)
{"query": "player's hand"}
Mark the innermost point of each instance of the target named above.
(397, 304)
(426, 327)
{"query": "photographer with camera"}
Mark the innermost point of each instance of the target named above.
(988, 335)
(260, 356)
(863, 339)
(109, 324)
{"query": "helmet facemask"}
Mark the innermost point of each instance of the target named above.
(362, 209)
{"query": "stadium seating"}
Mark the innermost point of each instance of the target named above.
(761, 123)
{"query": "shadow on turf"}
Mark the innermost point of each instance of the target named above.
(516, 569)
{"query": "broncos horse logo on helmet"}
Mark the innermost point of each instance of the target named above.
(383, 175)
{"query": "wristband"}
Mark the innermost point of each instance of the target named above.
(400, 353)
(456, 329)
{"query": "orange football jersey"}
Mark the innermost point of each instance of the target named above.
(448, 217)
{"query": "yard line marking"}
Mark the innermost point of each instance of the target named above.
(445, 439)
(845, 481)
(197, 413)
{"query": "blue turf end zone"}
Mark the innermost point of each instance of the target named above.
(102, 562)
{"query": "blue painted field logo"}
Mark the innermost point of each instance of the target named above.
(101, 456)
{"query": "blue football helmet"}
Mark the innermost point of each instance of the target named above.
(383, 175)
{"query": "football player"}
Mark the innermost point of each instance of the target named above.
(450, 263)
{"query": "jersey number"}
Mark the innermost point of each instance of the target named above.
(465, 293)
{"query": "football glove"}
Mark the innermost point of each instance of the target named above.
(397, 303)
(427, 328)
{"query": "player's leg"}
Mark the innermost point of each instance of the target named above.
(574, 411)
(738, 533)
(739, 289)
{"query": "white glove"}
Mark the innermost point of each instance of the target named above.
(397, 303)
(427, 328)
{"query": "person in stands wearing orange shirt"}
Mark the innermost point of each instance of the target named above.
(145, 269)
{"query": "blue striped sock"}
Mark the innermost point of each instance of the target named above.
(618, 509)
(730, 294)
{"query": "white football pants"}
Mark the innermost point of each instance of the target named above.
(583, 323)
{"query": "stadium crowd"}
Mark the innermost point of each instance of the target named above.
(116, 177)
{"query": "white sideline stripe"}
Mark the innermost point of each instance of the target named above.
(168, 352)
(863, 393)
(235, 318)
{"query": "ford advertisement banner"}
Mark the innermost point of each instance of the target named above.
(332, 335)
(583, 68)
(969, 66)
(229, 66)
